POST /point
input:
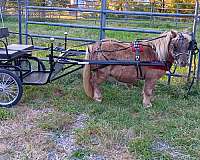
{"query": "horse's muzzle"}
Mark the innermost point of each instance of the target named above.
(182, 59)
(182, 64)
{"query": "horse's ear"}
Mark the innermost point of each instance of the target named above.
(173, 33)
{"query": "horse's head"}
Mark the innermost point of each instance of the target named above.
(180, 45)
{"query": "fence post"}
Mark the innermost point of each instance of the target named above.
(20, 20)
(195, 21)
(102, 20)
(177, 11)
(77, 6)
(194, 29)
(152, 11)
(26, 19)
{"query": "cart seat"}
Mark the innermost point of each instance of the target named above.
(15, 50)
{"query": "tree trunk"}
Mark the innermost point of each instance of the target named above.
(43, 15)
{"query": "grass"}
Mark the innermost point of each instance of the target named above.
(80, 154)
(173, 118)
(5, 114)
(55, 121)
(120, 120)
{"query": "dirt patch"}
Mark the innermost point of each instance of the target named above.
(22, 137)
(49, 134)
(58, 92)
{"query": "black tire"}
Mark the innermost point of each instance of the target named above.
(11, 89)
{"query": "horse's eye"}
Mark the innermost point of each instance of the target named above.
(175, 48)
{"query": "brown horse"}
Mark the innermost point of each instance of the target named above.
(169, 47)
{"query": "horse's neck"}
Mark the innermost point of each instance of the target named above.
(162, 47)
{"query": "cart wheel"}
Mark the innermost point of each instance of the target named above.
(10, 88)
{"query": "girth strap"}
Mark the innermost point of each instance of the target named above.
(137, 48)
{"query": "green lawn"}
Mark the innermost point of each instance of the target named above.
(121, 120)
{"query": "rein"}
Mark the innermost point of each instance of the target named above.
(194, 52)
(136, 47)
(123, 49)
(110, 51)
(139, 49)
(138, 40)
(151, 39)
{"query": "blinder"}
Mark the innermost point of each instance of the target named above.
(193, 46)
(181, 38)
(180, 41)
(180, 55)
(192, 43)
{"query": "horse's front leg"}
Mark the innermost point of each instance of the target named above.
(98, 77)
(149, 86)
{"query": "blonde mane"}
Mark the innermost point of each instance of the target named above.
(162, 45)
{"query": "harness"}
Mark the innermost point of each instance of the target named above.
(138, 49)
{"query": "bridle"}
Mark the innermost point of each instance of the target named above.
(181, 43)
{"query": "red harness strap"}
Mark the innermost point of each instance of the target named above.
(165, 68)
(137, 49)
(141, 49)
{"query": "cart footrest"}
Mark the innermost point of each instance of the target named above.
(36, 77)
(58, 67)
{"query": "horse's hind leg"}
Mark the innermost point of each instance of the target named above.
(148, 92)
(99, 77)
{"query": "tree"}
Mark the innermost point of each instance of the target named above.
(183, 6)
(3, 4)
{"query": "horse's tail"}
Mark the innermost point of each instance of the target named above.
(87, 77)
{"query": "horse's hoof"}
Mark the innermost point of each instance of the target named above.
(147, 105)
(98, 99)
(129, 86)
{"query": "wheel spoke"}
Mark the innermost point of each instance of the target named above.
(3, 78)
(10, 95)
(5, 98)
(11, 91)
(7, 81)
(10, 82)
(7, 95)
(10, 88)
(1, 96)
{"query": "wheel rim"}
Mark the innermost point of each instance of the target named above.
(9, 89)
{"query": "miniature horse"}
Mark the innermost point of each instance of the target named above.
(169, 47)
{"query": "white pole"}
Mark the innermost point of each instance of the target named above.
(194, 29)
(2, 17)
